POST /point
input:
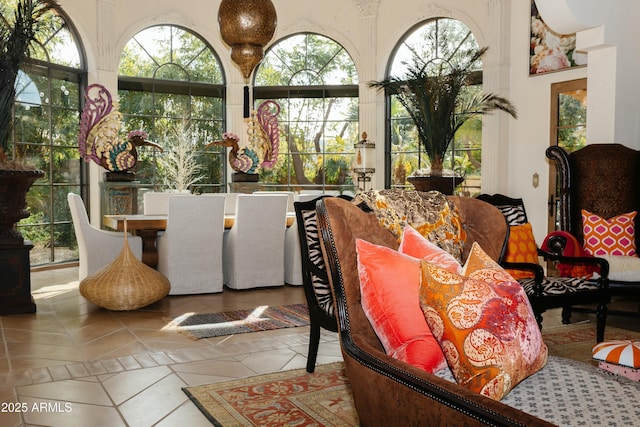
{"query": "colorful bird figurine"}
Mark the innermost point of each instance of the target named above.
(243, 160)
(98, 139)
(264, 141)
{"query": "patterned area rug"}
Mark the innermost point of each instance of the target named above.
(263, 318)
(292, 398)
(575, 341)
(324, 398)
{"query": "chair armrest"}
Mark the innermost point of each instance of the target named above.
(537, 269)
(601, 263)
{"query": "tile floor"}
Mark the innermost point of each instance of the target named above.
(73, 364)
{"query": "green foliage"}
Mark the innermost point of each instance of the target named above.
(19, 29)
(436, 97)
(572, 130)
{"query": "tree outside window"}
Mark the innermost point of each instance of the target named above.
(47, 116)
(315, 82)
(171, 85)
(440, 39)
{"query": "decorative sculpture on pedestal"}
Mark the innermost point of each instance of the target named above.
(99, 141)
(263, 144)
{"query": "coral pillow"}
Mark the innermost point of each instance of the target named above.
(389, 287)
(484, 324)
(416, 245)
(614, 236)
(521, 248)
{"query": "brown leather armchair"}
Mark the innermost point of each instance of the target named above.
(605, 180)
(388, 391)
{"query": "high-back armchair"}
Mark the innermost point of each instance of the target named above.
(603, 179)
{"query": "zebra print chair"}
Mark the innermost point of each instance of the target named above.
(546, 292)
(315, 278)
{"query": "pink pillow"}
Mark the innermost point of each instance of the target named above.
(613, 236)
(484, 323)
(416, 245)
(389, 287)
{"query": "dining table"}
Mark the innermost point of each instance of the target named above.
(148, 227)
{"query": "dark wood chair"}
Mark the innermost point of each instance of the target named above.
(547, 292)
(314, 278)
(603, 179)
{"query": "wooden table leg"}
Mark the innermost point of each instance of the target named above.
(149, 250)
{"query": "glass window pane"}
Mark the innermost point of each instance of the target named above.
(171, 86)
(437, 41)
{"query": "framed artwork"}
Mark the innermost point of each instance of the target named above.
(550, 51)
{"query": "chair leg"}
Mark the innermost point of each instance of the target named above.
(314, 342)
(601, 320)
(566, 315)
(538, 319)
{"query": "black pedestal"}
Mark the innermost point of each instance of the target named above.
(15, 279)
(444, 184)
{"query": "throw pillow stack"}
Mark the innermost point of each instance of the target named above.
(431, 312)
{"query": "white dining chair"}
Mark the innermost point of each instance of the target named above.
(254, 247)
(290, 197)
(157, 203)
(96, 247)
(230, 203)
(190, 250)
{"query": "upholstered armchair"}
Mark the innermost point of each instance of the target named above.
(549, 291)
(604, 181)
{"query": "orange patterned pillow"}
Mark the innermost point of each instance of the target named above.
(614, 236)
(521, 248)
(389, 287)
(484, 324)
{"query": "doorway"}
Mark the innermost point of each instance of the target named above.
(568, 130)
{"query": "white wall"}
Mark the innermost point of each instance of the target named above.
(513, 150)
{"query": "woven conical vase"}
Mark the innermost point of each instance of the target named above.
(125, 284)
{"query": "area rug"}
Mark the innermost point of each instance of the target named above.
(292, 398)
(208, 325)
(324, 397)
(575, 341)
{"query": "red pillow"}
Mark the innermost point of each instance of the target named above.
(389, 287)
(416, 245)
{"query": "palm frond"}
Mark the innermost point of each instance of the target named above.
(433, 95)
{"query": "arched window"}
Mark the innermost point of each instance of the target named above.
(314, 80)
(439, 39)
(170, 85)
(45, 134)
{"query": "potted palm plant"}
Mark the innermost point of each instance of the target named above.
(17, 35)
(436, 97)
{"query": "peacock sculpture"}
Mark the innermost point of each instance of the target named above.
(98, 140)
(264, 141)
(243, 160)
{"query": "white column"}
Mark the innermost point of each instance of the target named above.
(370, 117)
(495, 130)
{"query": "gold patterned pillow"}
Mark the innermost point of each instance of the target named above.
(430, 213)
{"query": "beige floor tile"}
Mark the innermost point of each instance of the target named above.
(56, 413)
(154, 403)
(186, 414)
(126, 385)
(68, 391)
(269, 361)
